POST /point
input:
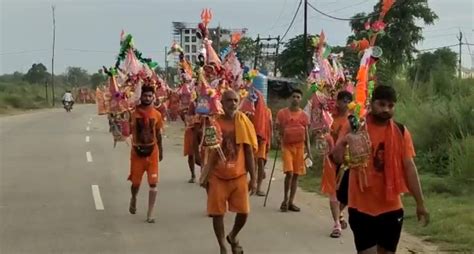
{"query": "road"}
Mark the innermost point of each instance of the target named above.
(50, 161)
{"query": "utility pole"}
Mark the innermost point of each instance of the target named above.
(305, 42)
(166, 65)
(46, 92)
(276, 57)
(257, 52)
(218, 32)
(53, 8)
(262, 45)
(460, 54)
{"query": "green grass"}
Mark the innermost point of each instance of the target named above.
(451, 209)
(452, 221)
(18, 96)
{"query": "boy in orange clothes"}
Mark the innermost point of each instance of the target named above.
(337, 196)
(191, 141)
(292, 123)
(375, 206)
(227, 184)
(146, 125)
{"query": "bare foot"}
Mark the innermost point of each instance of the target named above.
(223, 250)
(133, 206)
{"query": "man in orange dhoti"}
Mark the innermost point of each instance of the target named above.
(227, 183)
(146, 125)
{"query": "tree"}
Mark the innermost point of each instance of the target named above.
(402, 33)
(291, 60)
(76, 76)
(37, 74)
(246, 50)
(442, 60)
(97, 79)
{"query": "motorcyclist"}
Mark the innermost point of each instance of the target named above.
(67, 97)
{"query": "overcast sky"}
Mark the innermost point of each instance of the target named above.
(87, 33)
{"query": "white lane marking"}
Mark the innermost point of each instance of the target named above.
(88, 139)
(88, 128)
(89, 156)
(97, 199)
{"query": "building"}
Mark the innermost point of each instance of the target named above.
(185, 35)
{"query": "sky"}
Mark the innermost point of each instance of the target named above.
(88, 31)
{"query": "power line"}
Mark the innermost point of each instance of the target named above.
(279, 15)
(429, 49)
(342, 19)
(292, 21)
(350, 6)
(23, 52)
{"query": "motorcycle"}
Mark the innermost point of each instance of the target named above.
(68, 106)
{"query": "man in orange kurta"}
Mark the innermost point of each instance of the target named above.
(292, 123)
(375, 206)
(227, 183)
(146, 125)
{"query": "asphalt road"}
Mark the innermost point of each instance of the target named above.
(63, 189)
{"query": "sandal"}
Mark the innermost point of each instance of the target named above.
(150, 220)
(192, 180)
(261, 194)
(294, 208)
(336, 233)
(235, 246)
(284, 207)
(343, 222)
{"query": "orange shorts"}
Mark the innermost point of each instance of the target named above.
(262, 151)
(140, 165)
(328, 179)
(293, 159)
(188, 142)
(233, 194)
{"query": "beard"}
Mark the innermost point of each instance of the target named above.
(145, 103)
(382, 117)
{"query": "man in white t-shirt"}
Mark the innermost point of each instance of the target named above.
(67, 97)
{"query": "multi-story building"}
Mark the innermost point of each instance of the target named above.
(185, 35)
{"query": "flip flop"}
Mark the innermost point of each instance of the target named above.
(192, 180)
(150, 220)
(261, 194)
(284, 207)
(336, 233)
(343, 222)
(293, 208)
(235, 246)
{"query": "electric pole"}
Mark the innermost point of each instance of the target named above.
(305, 42)
(460, 54)
(257, 52)
(54, 45)
(166, 65)
(267, 45)
(276, 57)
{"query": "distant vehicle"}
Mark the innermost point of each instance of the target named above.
(68, 106)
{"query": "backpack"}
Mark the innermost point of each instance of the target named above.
(294, 131)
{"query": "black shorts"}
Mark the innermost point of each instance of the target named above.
(382, 230)
(342, 193)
